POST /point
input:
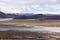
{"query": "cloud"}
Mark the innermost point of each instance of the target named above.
(30, 6)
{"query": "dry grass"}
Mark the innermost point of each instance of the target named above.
(32, 22)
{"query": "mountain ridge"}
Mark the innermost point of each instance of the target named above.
(3, 15)
(31, 16)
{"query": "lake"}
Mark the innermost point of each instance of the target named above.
(5, 19)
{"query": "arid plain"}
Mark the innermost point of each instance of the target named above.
(53, 23)
(28, 35)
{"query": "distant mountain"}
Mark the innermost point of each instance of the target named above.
(54, 17)
(12, 15)
(52, 14)
(20, 15)
(39, 17)
(3, 15)
(30, 16)
(35, 16)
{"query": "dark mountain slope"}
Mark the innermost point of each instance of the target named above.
(3, 15)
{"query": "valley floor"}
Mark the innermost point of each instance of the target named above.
(32, 22)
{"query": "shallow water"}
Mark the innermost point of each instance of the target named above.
(30, 28)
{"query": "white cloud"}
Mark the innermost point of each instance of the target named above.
(30, 6)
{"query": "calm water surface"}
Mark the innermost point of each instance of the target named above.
(5, 19)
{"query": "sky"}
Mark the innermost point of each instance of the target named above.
(30, 6)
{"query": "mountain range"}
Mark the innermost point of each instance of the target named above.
(30, 16)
